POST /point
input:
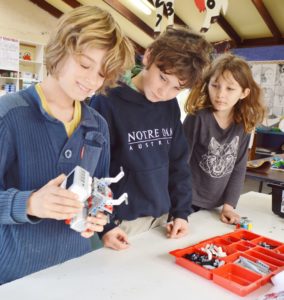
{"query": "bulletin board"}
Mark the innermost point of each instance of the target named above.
(9, 54)
(270, 76)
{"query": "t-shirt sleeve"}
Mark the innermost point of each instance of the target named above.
(190, 131)
(234, 187)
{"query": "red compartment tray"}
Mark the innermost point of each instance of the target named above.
(232, 276)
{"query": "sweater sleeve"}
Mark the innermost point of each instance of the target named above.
(179, 174)
(234, 187)
(99, 103)
(13, 203)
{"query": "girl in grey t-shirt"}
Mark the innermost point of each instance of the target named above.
(222, 110)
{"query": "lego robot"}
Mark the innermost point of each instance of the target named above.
(94, 193)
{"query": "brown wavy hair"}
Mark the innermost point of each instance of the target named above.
(90, 26)
(180, 52)
(250, 111)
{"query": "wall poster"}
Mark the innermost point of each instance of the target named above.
(9, 54)
(270, 76)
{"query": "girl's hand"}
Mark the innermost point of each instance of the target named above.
(54, 202)
(94, 224)
(228, 215)
(177, 229)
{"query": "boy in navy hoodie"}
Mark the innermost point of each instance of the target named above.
(147, 138)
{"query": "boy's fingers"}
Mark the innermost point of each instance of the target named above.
(178, 234)
(72, 211)
(120, 244)
(101, 215)
(65, 194)
(95, 227)
(61, 216)
(169, 228)
(124, 240)
(87, 234)
(57, 181)
(97, 221)
(174, 230)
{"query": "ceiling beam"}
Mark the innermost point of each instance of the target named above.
(130, 16)
(222, 22)
(226, 26)
(72, 3)
(267, 18)
(259, 42)
(48, 8)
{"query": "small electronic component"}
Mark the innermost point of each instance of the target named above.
(258, 266)
(79, 182)
(94, 193)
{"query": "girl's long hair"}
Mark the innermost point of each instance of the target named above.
(249, 111)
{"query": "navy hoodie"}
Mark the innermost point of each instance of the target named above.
(147, 140)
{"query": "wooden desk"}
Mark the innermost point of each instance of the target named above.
(146, 270)
(272, 176)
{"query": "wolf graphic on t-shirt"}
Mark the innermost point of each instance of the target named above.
(220, 159)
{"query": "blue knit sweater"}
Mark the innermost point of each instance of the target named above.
(34, 148)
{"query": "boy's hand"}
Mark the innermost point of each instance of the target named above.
(94, 224)
(228, 215)
(116, 239)
(54, 202)
(177, 229)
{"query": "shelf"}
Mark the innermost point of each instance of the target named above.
(25, 61)
(12, 78)
(27, 71)
(29, 79)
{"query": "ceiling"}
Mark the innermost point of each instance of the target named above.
(246, 23)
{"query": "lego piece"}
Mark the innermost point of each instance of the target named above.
(257, 267)
(94, 193)
(244, 223)
(266, 245)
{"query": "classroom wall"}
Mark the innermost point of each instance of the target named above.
(23, 20)
(267, 64)
(261, 53)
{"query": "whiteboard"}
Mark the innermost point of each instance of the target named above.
(9, 54)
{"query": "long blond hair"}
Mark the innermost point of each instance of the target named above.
(90, 26)
(250, 111)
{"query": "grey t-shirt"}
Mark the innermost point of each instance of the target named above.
(217, 158)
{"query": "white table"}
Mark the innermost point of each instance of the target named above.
(146, 270)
